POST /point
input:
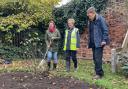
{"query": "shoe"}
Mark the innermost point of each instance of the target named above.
(54, 66)
(67, 66)
(49, 66)
(96, 77)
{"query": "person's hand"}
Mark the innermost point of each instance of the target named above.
(77, 49)
(103, 43)
(48, 45)
(53, 38)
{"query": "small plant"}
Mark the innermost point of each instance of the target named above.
(123, 60)
(125, 70)
(9, 52)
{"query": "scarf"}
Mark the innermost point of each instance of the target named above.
(52, 29)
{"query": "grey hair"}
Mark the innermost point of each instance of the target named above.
(91, 9)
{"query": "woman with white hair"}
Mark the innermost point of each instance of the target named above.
(71, 44)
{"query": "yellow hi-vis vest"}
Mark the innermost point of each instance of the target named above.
(73, 39)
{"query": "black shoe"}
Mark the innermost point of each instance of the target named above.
(49, 65)
(54, 66)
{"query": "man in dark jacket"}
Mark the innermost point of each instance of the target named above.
(98, 38)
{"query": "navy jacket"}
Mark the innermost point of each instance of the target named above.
(100, 31)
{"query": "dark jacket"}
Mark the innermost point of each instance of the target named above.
(100, 31)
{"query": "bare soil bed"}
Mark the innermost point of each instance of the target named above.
(23, 80)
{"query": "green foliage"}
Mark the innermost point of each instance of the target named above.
(10, 52)
(25, 13)
(33, 45)
(123, 61)
(18, 20)
(125, 70)
(30, 47)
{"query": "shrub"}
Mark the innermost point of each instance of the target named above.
(18, 20)
(125, 70)
(123, 60)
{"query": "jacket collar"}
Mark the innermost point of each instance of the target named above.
(71, 29)
(96, 18)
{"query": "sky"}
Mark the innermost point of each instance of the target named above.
(63, 2)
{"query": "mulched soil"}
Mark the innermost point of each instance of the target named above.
(23, 80)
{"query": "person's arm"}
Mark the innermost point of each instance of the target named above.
(78, 39)
(57, 37)
(104, 29)
(46, 39)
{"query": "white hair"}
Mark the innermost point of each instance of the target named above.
(91, 10)
(71, 20)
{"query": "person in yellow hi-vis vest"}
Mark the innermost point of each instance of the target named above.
(71, 44)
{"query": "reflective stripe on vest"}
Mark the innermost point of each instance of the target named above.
(73, 39)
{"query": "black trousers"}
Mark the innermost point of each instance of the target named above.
(70, 54)
(97, 58)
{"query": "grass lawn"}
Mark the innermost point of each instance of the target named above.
(86, 71)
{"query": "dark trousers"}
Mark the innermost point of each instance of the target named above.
(70, 54)
(97, 57)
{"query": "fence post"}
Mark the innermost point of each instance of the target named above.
(125, 42)
(113, 60)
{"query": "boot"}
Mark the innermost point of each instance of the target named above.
(54, 66)
(49, 65)
(68, 66)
